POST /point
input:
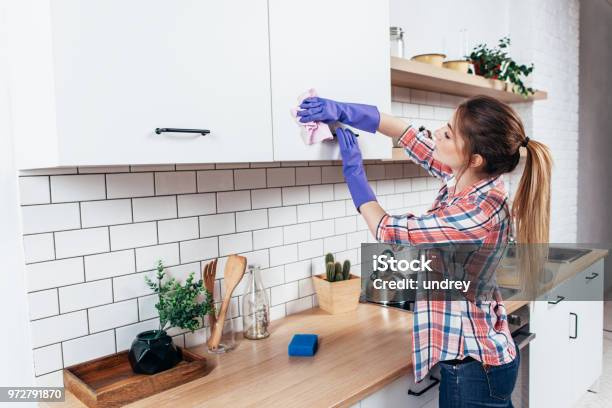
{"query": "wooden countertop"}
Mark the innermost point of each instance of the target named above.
(360, 352)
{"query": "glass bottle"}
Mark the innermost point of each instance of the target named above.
(255, 307)
(396, 36)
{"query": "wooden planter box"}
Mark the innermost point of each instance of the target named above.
(110, 382)
(337, 297)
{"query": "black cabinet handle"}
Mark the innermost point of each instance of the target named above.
(575, 336)
(435, 381)
(203, 132)
(593, 276)
(559, 299)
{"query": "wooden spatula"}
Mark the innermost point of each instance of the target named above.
(233, 273)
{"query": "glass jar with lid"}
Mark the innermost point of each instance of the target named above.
(396, 44)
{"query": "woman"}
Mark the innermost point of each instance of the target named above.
(478, 359)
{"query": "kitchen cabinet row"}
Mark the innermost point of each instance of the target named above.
(91, 82)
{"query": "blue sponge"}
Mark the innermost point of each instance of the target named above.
(303, 345)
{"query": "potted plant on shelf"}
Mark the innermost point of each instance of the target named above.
(178, 305)
(337, 290)
(495, 63)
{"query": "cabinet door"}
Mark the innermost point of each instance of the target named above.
(339, 48)
(586, 329)
(121, 69)
(549, 377)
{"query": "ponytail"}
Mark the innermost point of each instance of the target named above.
(531, 206)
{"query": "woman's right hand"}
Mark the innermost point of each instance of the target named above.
(317, 109)
(360, 116)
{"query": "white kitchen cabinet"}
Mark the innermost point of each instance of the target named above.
(562, 368)
(339, 48)
(92, 80)
(586, 328)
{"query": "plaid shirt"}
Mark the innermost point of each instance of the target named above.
(454, 329)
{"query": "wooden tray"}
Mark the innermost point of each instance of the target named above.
(110, 382)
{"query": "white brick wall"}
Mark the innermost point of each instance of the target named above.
(92, 234)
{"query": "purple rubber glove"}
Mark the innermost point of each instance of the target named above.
(363, 117)
(352, 168)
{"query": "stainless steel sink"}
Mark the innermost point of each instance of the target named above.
(565, 255)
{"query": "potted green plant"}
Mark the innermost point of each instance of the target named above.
(337, 289)
(179, 305)
(495, 63)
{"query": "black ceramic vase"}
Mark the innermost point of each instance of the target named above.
(151, 354)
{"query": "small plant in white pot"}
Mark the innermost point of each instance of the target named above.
(337, 290)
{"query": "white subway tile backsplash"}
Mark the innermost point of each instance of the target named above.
(51, 217)
(180, 182)
(265, 198)
(309, 212)
(133, 235)
(155, 167)
(58, 328)
(45, 275)
(89, 347)
(298, 270)
(346, 224)
(282, 216)
(178, 230)
(295, 195)
(215, 180)
(332, 174)
(127, 185)
(131, 286)
(273, 276)
(108, 212)
(307, 175)
(109, 264)
(146, 306)
(341, 191)
(199, 249)
(284, 293)
(34, 190)
(38, 247)
(267, 238)
(251, 220)
(48, 359)
(147, 257)
(310, 249)
(280, 177)
(283, 254)
(54, 379)
(299, 305)
(81, 242)
(235, 243)
(196, 204)
(78, 188)
(233, 201)
(296, 233)
(249, 179)
(305, 287)
(103, 169)
(218, 224)
(154, 208)
(333, 209)
(43, 304)
(319, 193)
(334, 244)
(113, 315)
(84, 295)
(319, 229)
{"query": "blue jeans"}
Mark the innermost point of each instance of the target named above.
(469, 385)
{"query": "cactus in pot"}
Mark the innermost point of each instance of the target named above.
(346, 268)
(338, 275)
(330, 270)
(336, 271)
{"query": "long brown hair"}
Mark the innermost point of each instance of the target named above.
(494, 130)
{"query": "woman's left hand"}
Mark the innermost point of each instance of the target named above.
(352, 168)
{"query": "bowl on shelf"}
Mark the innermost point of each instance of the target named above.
(433, 59)
(457, 65)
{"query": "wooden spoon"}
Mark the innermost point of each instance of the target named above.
(233, 273)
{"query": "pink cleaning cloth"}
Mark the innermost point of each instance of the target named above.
(312, 132)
